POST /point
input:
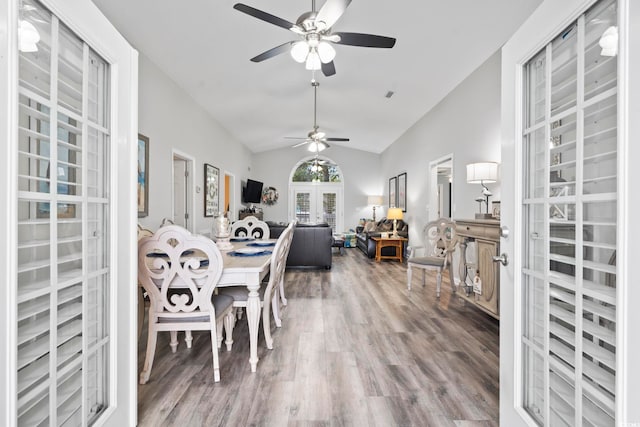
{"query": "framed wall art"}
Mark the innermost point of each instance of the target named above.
(393, 189)
(211, 190)
(402, 192)
(143, 176)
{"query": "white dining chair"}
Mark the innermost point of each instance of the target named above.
(440, 241)
(180, 271)
(250, 226)
(283, 299)
(142, 232)
(268, 292)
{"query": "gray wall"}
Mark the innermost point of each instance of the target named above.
(466, 123)
(172, 120)
(361, 171)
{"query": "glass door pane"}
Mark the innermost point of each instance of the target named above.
(63, 227)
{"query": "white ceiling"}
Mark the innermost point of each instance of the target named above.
(205, 46)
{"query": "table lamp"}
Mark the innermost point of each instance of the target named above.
(483, 173)
(374, 201)
(395, 214)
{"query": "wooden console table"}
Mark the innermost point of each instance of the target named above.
(485, 234)
(394, 242)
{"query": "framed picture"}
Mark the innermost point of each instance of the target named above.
(143, 176)
(211, 190)
(393, 189)
(402, 191)
(495, 209)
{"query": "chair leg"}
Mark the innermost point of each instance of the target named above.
(229, 323)
(266, 325)
(173, 343)
(214, 351)
(438, 283)
(188, 338)
(453, 286)
(140, 309)
(275, 307)
(152, 338)
(409, 277)
(219, 332)
(282, 297)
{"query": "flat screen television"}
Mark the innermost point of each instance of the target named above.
(252, 191)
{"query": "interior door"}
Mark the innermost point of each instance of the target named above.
(558, 362)
(180, 206)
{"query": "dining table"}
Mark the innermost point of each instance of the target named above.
(242, 269)
(248, 271)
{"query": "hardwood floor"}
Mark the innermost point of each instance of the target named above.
(355, 349)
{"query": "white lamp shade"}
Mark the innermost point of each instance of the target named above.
(313, 60)
(28, 37)
(316, 147)
(485, 172)
(609, 42)
(394, 213)
(299, 51)
(326, 52)
(374, 200)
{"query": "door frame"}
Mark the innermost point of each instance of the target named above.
(551, 17)
(433, 186)
(190, 163)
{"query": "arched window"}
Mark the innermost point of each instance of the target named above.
(316, 189)
(317, 170)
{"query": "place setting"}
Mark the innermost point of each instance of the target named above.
(249, 251)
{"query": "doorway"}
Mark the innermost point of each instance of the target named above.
(441, 188)
(229, 205)
(182, 194)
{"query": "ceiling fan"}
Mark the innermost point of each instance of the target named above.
(314, 28)
(316, 139)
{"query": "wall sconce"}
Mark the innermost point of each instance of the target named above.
(374, 201)
(483, 173)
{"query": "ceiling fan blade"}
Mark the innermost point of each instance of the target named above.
(329, 69)
(337, 139)
(331, 11)
(264, 16)
(365, 40)
(295, 137)
(272, 52)
(301, 144)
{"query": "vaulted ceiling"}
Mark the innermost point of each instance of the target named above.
(205, 46)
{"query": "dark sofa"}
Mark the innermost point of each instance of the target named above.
(368, 246)
(311, 244)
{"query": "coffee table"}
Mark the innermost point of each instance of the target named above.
(384, 242)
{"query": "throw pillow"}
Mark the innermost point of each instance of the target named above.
(369, 226)
(385, 226)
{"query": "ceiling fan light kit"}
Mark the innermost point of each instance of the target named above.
(314, 28)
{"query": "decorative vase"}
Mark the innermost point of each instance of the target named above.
(222, 231)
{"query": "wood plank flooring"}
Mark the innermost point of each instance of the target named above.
(355, 349)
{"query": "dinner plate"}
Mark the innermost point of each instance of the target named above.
(249, 250)
(263, 243)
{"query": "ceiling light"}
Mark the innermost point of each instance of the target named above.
(28, 37)
(317, 146)
(609, 42)
(326, 52)
(313, 60)
(299, 51)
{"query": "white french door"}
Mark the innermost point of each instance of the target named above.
(69, 83)
(314, 203)
(563, 332)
